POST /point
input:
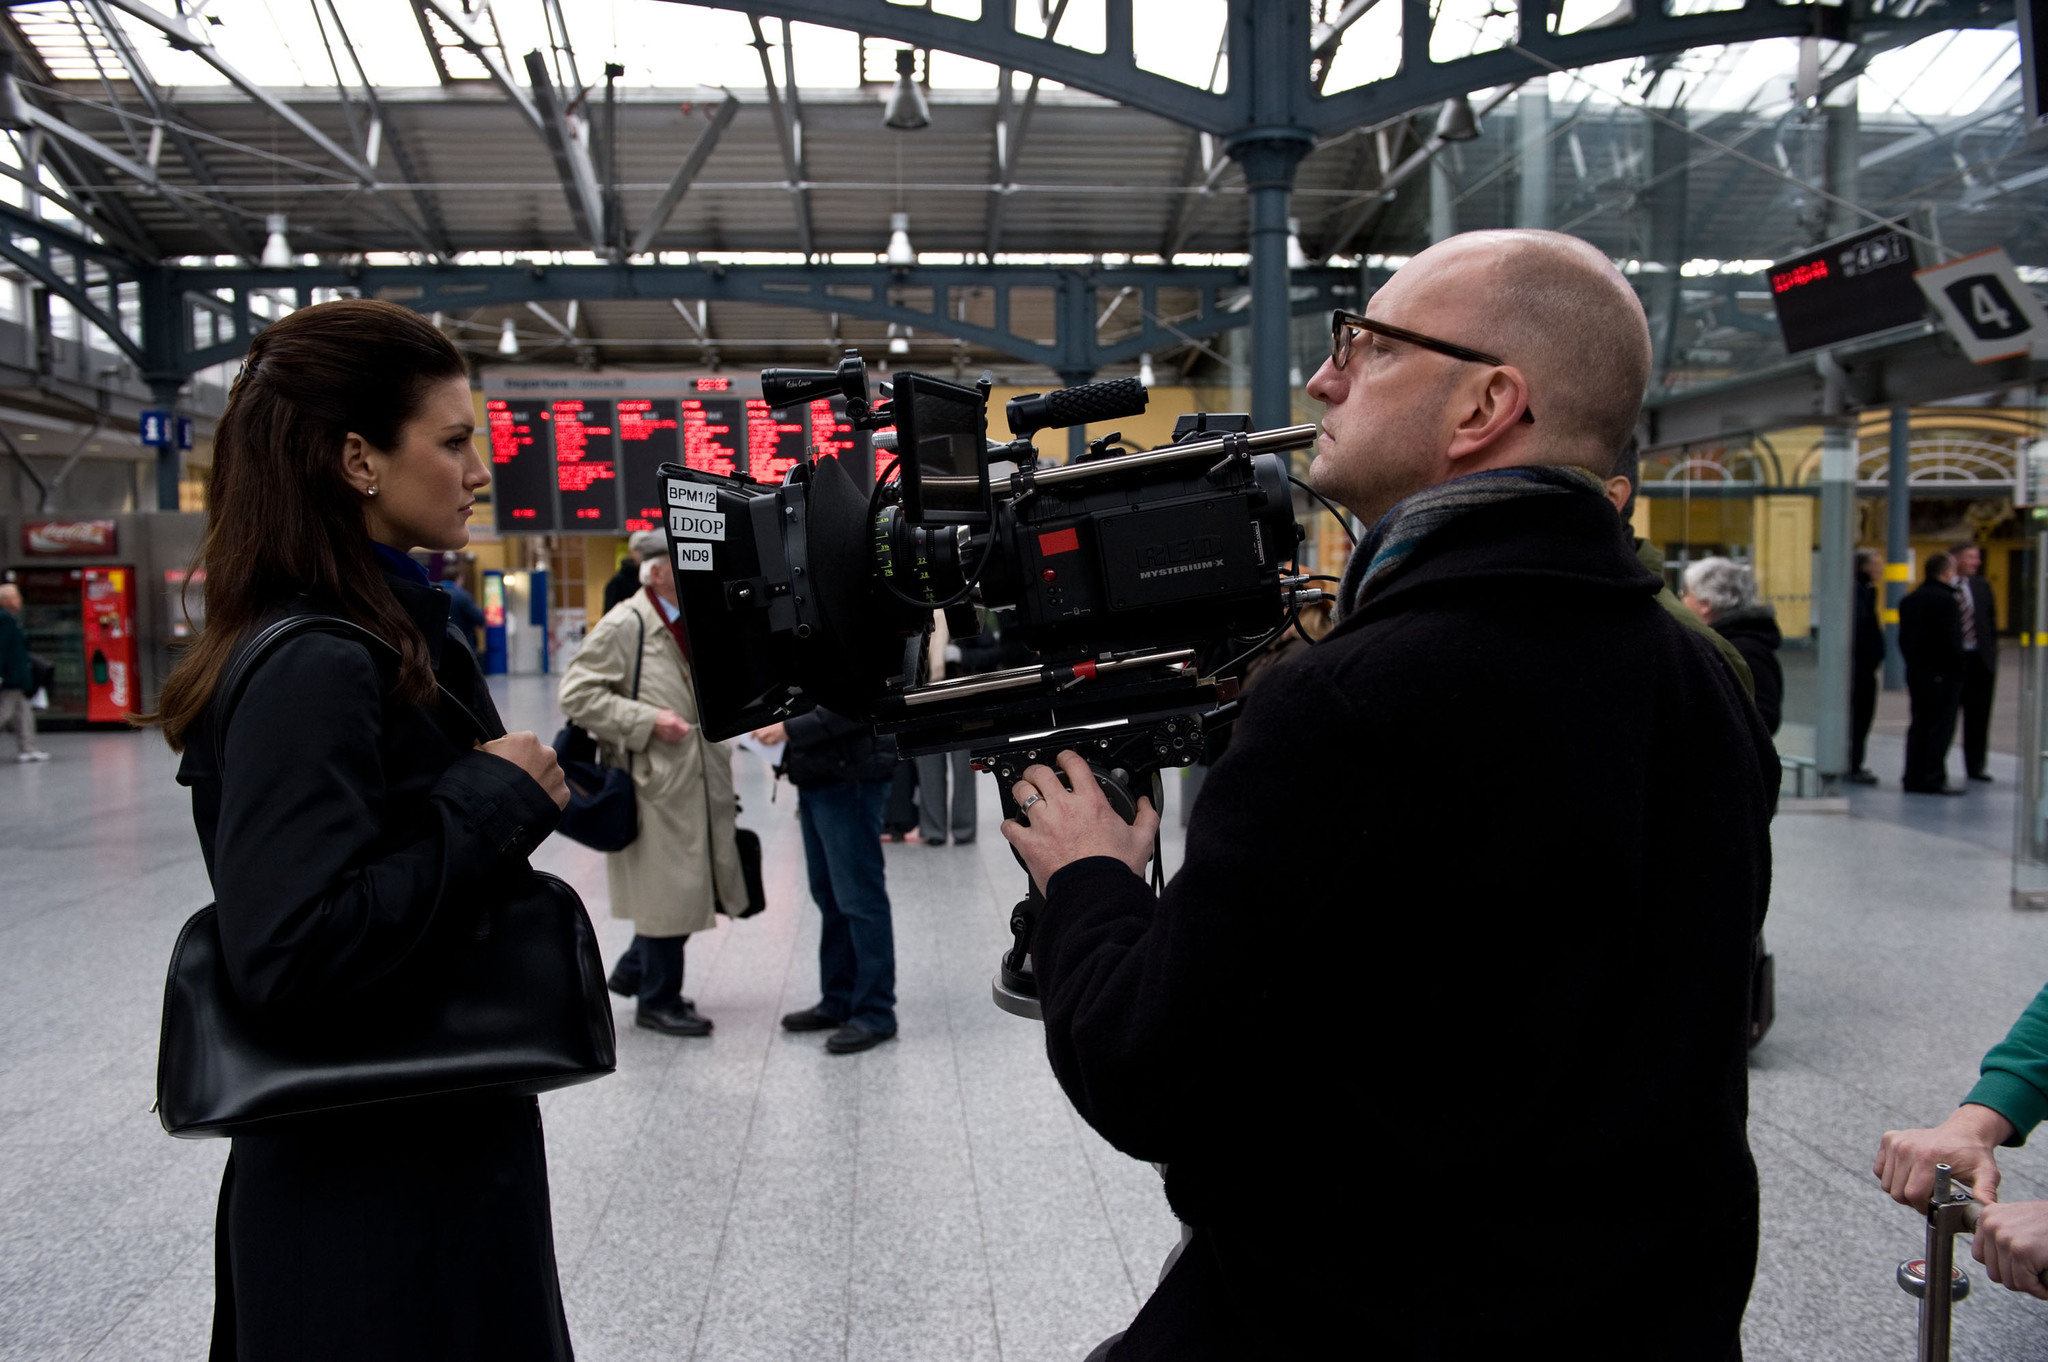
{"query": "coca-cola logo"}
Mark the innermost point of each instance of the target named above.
(77, 538)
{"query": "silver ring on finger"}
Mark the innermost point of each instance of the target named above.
(1035, 798)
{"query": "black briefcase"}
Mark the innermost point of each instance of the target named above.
(603, 811)
(517, 1006)
(749, 843)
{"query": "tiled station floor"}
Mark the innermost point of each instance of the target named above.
(750, 1197)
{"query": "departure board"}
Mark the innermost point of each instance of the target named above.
(586, 464)
(832, 434)
(522, 469)
(715, 434)
(775, 440)
(649, 436)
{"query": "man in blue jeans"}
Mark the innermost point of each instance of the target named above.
(841, 772)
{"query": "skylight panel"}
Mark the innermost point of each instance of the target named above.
(1947, 73)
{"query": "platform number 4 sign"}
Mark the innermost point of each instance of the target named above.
(1987, 309)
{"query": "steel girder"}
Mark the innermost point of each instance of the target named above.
(1266, 94)
(85, 274)
(920, 297)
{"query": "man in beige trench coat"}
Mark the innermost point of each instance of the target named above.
(670, 880)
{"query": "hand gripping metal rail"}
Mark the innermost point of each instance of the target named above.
(1952, 1209)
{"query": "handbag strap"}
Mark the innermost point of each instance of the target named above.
(229, 692)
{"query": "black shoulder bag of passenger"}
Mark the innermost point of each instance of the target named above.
(518, 1006)
(603, 811)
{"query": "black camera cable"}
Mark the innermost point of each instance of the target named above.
(1342, 523)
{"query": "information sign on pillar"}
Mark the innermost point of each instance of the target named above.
(650, 435)
(155, 429)
(1987, 308)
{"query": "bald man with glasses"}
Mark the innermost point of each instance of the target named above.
(1439, 1008)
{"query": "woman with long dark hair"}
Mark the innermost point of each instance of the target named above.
(352, 825)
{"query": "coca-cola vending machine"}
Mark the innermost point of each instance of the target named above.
(83, 620)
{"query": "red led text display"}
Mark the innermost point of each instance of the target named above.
(1799, 274)
(1854, 286)
(714, 434)
(713, 385)
(775, 441)
(586, 468)
(522, 474)
(832, 435)
(649, 436)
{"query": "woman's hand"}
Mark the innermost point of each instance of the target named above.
(771, 735)
(670, 726)
(534, 757)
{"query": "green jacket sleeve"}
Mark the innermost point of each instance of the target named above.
(2014, 1081)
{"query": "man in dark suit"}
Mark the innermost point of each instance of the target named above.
(1869, 660)
(1931, 640)
(1980, 654)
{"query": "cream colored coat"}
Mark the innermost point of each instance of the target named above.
(684, 860)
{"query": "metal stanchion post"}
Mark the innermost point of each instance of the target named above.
(1951, 1211)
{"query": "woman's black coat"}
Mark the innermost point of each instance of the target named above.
(350, 836)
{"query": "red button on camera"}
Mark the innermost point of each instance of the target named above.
(1048, 575)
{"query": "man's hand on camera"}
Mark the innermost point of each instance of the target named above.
(2012, 1243)
(534, 757)
(1965, 1142)
(670, 726)
(771, 735)
(1072, 825)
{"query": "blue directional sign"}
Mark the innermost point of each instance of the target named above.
(184, 432)
(156, 429)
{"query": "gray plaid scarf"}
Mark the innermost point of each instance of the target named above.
(1413, 519)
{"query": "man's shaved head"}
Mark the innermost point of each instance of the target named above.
(1571, 320)
(1571, 336)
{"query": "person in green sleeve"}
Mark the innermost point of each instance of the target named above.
(2010, 1099)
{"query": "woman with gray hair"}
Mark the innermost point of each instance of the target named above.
(1722, 592)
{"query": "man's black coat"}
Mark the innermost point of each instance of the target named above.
(1931, 629)
(1442, 1025)
(1869, 652)
(350, 839)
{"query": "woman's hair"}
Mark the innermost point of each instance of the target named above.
(1722, 583)
(283, 521)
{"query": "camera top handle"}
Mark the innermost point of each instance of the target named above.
(790, 387)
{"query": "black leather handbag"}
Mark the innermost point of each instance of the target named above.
(517, 1007)
(603, 811)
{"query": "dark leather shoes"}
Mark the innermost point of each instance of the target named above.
(1860, 776)
(680, 1021)
(811, 1019)
(853, 1038)
(1984, 776)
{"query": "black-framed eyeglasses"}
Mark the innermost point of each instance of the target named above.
(1344, 326)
